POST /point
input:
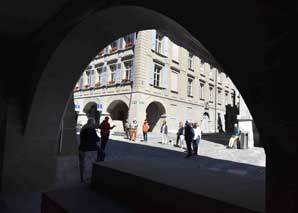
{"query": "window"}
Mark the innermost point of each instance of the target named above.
(189, 87)
(227, 98)
(202, 91)
(190, 61)
(99, 71)
(129, 40)
(114, 46)
(127, 72)
(219, 97)
(88, 73)
(157, 76)
(202, 66)
(174, 81)
(112, 73)
(233, 98)
(158, 43)
(211, 95)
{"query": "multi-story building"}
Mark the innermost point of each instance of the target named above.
(146, 75)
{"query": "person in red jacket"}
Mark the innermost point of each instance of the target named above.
(105, 128)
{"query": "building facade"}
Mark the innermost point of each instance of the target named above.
(146, 75)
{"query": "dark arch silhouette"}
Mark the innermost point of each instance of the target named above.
(155, 112)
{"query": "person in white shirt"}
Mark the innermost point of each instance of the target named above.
(196, 138)
(164, 133)
(133, 129)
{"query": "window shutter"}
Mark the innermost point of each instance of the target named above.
(175, 52)
(174, 81)
(166, 46)
(153, 37)
(165, 77)
(151, 74)
(132, 70)
(81, 82)
(118, 74)
(120, 43)
(92, 79)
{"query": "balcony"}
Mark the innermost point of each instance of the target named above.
(111, 81)
(125, 79)
(128, 44)
(113, 49)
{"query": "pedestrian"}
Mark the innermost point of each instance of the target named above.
(188, 135)
(196, 138)
(164, 133)
(89, 141)
(105, 128)
(133, 131)
(179, 133)
(127, 129)
(145, 130)
(235, 137)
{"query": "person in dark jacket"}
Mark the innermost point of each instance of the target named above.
(188, 135)
(179, 133)
(105, 128)
(88, 142)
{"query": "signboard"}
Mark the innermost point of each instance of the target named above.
(77, 107)
(99, 107)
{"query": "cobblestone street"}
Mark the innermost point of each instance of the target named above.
(212, 156)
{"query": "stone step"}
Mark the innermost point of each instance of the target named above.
(79, 198)
(158, 186)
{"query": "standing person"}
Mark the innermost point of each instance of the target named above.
(188, 135)
(196, 138)
(179, 133)
(88, 142)
(127, 129)
(145, 130)
(164, 132)
(133, 131)
(105, 128)
(235, 137)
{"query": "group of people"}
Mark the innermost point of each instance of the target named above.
(89, 141)
(191, 133)
(131, 129)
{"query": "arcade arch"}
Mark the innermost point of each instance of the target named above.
(155, 114)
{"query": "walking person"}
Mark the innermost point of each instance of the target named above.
(196, 138)
(127, 129)
(105, 128)
(88, 142)
(133, 129)
(179, 133)
(145, 130)
(235, 137)
(188, 135)
(164, 133)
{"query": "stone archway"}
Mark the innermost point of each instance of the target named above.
(118, 111)
(91, 111)
(155, 113)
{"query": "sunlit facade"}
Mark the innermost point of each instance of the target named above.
(146, 75)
